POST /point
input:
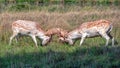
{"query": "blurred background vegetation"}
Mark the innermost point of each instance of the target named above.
(18, 5)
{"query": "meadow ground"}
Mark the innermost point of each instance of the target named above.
(92, 54)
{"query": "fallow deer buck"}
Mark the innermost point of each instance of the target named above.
(29, 28)
(90, 29)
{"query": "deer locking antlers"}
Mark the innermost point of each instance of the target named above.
(88, 29)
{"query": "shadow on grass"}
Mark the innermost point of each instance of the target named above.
(82, 57)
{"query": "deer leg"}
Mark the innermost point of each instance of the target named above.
(111, 37)
(16, 38)
(82, 39)
(104, 35)
(113, 41)
(13, 36)
(34, 39)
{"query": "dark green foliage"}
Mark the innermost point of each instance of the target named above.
(92, 57)
(18, 5)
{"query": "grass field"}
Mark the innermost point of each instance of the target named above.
(92, 54)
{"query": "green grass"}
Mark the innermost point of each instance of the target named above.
(58, 55)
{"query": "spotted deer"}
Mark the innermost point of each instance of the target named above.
(30, 28)
(90, 29)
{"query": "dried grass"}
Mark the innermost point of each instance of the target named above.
(65, 20)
